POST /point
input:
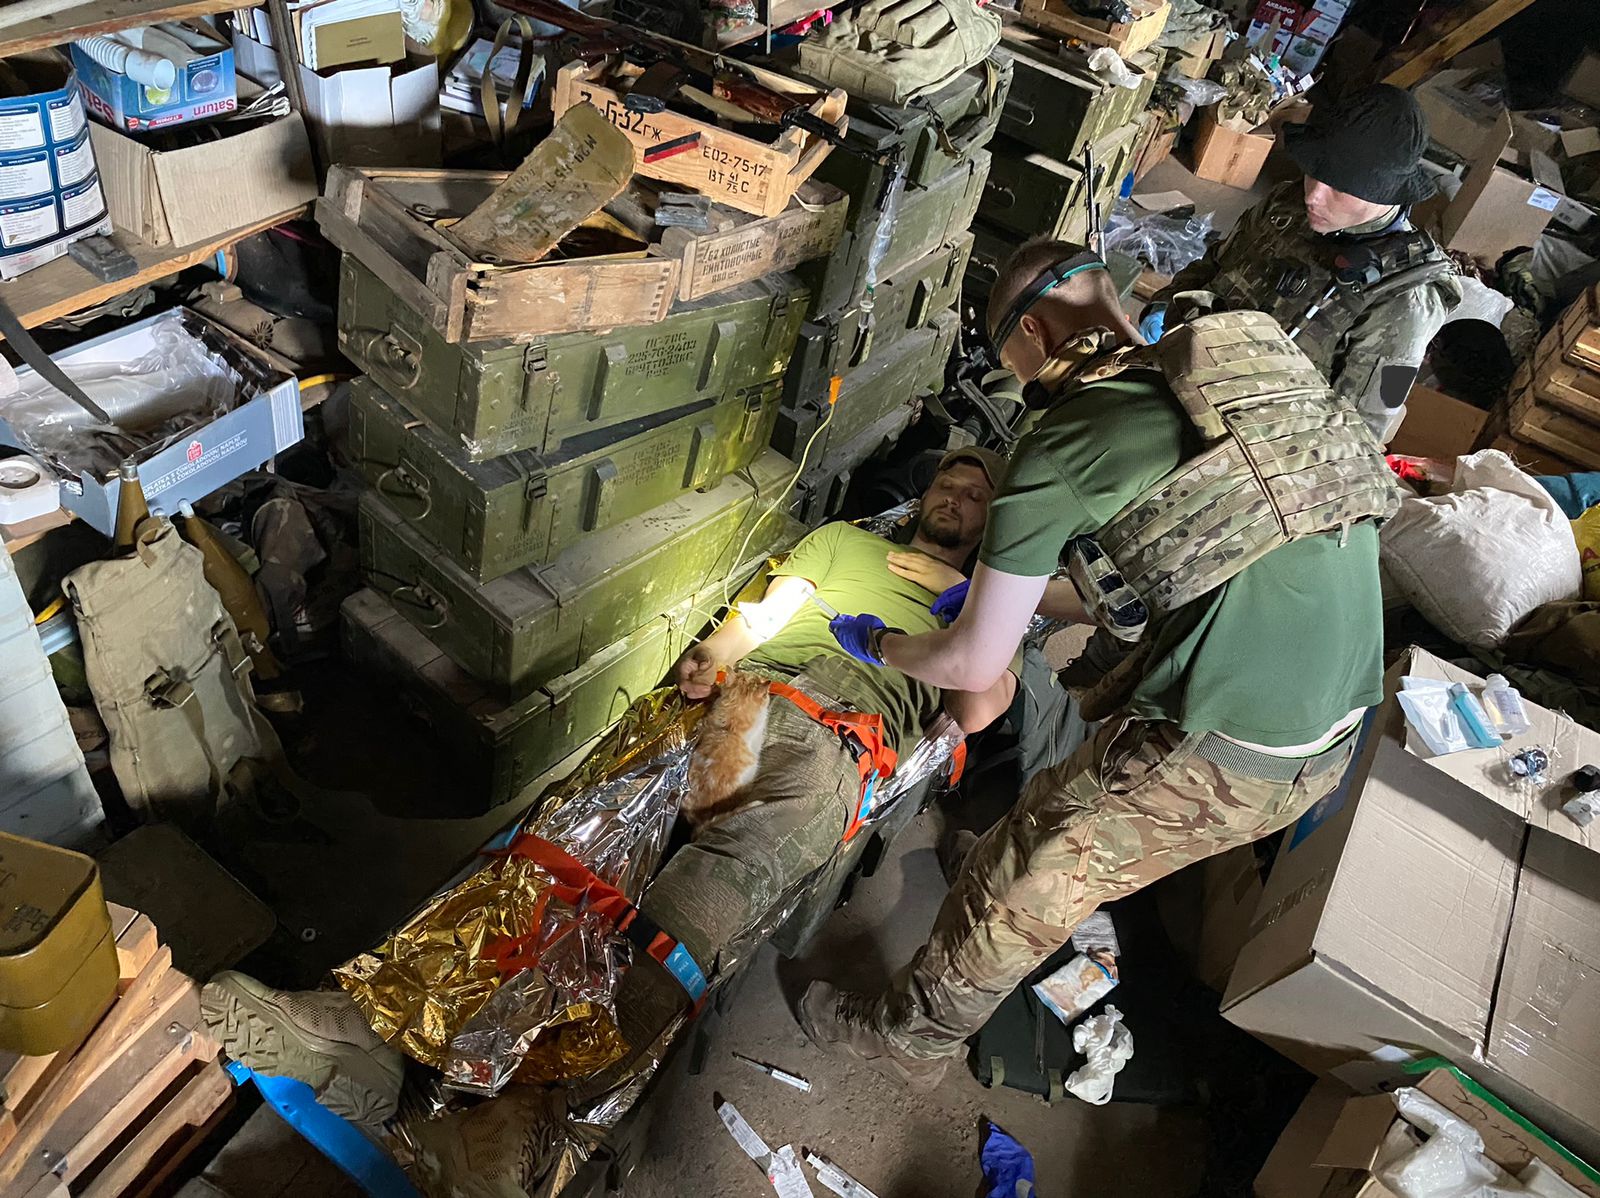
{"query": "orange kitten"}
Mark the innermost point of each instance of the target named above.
(727, 749)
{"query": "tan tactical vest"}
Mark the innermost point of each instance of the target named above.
(1283, 458)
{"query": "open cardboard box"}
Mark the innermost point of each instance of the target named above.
(1430, 905)
(179, 197)
(1494, 209)
(1330, 1146)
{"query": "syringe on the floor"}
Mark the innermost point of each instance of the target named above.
(772, 1071)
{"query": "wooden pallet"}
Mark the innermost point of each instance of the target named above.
(1057, 17)
(117, 1114)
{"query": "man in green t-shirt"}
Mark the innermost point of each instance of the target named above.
(1233, 714)
(716, 892)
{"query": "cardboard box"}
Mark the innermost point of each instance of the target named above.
(1305, 53)
(1437, 425)
(1457, 120)
(1194, 57)
(1494, 209)
(1334, 1141)
(1223, 156)
(50, 192)
(179, 197)
(1432, 906)
(1288, 15)
(205, 87)
(1583, 81)
(209, 453)
(376, 116)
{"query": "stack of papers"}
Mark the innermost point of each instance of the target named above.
(335, 33)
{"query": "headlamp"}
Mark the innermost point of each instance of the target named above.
(1052, 277)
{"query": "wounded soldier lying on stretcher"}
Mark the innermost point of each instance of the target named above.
(796, 729)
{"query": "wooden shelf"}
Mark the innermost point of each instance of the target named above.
(784, 12)
(62, 287)
(73, 19)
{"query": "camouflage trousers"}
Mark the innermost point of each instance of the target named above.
(1136, 802)
(724, 893)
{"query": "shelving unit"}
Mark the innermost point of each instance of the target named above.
(62, 287)
(777, 14)
(35, 24)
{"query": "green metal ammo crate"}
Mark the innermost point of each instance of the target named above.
(990, 249)
(498, 397)
(908, 370)
(503, 745)
(821, 490)
(1035, 195)
(835, 344)
(933, 134)
(928, 217)
(525, 508)
(1057, 105)
(519, 631)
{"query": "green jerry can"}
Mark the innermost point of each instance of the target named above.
(1057, 105)
(928, 217)
(820, 493)
(834, 345)
(496, 397)
(525, 508)
(932, 134)
(1035, 195)
(503, 745)
(58, 955)
(519, 631)
(896, 377)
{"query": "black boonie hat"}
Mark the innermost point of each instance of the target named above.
(1367, 145)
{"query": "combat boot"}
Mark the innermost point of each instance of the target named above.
(840, 1023)
(315, 1036)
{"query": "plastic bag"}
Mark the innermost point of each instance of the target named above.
(1476, 561)
(1199, 92)
(1108, 1045)
(1450, 1164)
(1106, 61)
(1586, 531)
(152, 399)
(1164, 243)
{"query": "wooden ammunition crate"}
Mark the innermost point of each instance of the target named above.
(389, 220)
(118, 1114)
(1058, 17)
(1555, 398)
(731, 168)
(740, 247)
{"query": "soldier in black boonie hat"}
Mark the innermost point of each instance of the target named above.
(1334, 257)
(1368, 146)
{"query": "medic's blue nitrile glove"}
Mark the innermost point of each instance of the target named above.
(948, 605)
(1153, 323)
(854, 634)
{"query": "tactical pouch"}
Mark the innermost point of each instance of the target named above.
(169, 675)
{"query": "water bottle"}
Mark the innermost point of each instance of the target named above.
(1505, 707)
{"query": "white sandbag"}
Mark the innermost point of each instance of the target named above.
(1477, 560)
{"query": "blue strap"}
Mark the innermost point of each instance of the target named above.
(336, 1138)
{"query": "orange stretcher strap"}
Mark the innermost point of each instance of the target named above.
(575, 884)
(581, 888)
(863, 736)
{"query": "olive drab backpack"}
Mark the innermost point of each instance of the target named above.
(170, 676)
(1283, 458)
(893, 51)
